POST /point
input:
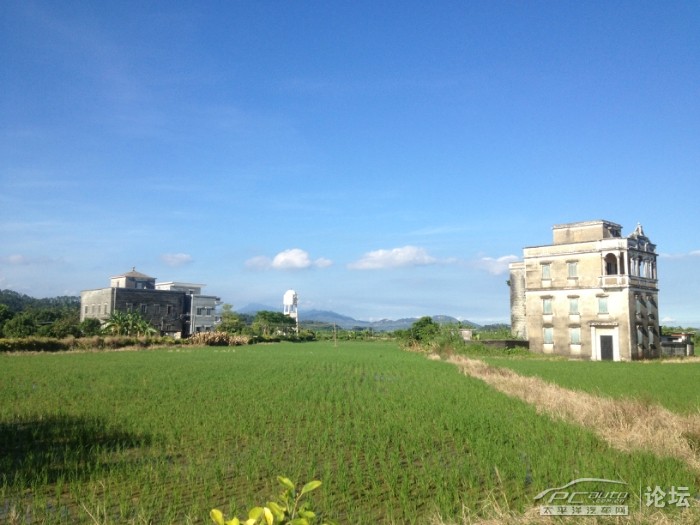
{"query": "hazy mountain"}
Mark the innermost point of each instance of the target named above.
(326, 318)
(254, 308)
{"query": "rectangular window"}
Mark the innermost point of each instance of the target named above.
(546, 271)
(129, 307)
(602, 305)
(547, 306)
(144, 308)
(572, 269)
(573, 306)
(548, 334)
(199, 310)
(575, 335)
(156, 309)
(170, 309)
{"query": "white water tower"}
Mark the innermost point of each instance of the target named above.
(290, 303)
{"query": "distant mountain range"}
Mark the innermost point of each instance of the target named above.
(326, 317)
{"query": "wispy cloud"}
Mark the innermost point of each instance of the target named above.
(176, 259)
(291, 259)
(495, 266)
(17, 259)
(692, 253)
(393, 258)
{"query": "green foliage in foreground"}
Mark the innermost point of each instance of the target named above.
(165, 435)
(672, 385)
(287, 509)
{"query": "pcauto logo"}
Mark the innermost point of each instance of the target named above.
(586, 497)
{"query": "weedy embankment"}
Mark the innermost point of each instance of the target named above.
(626, 424)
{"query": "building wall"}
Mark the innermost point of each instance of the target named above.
(164, 310)
(518, 310)
(96, 304)
(202, 309)
(140, 281)
(578, 290)
(585, 231)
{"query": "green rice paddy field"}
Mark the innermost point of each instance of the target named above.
(163, 436)
(674, 385)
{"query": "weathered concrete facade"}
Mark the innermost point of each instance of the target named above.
(201, 309)
(176, 309)
(592, 294)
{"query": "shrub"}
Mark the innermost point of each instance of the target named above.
(33, 344)
(218, 339)
(287, 509)
(52, 344)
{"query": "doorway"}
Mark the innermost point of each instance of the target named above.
(606, 348)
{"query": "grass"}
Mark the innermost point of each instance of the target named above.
(625, 424)
(670, 384)
(162, 436)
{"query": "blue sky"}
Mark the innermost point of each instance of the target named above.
(383, 159)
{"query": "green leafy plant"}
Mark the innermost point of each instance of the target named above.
(287, 509)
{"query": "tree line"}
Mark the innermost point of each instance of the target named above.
(59, 317)
(25, 316)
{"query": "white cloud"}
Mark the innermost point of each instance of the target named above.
(394, 258)
(291, 259)
(176, 259)
(497, 266)
(322, 262)
(668, 320)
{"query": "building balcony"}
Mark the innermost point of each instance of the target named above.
(622, 281)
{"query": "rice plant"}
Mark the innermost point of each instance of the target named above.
(164, 436)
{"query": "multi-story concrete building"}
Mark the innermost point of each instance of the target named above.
(591, 294)
(200, 309)
(177, 309)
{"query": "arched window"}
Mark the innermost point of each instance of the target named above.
(610, 264)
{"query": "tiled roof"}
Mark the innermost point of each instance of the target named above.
(134, 273)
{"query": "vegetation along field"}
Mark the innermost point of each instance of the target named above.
(673, 385)
(163, 436)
